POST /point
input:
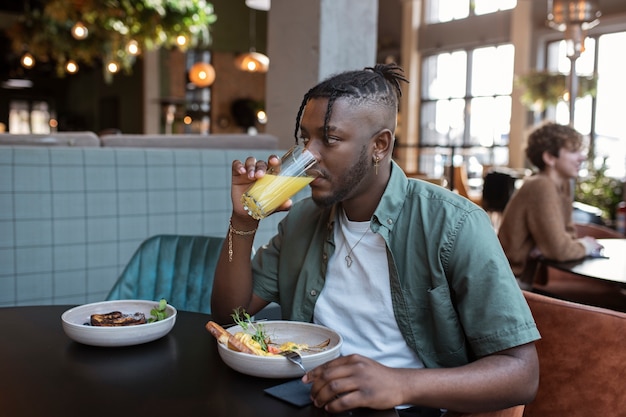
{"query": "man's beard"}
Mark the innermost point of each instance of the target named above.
(347, 183)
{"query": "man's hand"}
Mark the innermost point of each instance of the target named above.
(494, 382)
(244, 174)
(355, 381)
(592, 246)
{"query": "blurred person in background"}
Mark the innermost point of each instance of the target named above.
(537, 222)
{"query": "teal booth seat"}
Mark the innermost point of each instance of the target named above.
(175, 267)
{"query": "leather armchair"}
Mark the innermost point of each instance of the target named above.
(582, 359)
(509, 412)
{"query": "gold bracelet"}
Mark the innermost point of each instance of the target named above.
(232, 230)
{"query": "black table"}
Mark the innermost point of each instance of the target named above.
(45, 373)
(612, 268)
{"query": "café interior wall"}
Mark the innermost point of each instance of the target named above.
(71, 217)
(97, 105)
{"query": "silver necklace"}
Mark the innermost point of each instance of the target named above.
(348, 257)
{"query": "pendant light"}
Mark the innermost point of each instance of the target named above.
(252, 61)
(259, 4)
(574, 18)
(202, 74)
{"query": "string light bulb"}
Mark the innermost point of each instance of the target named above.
(261, 117)
(113, 67)
(27, 60)
(79, 31)
(181, 40)
(132, 47)
(71, 67)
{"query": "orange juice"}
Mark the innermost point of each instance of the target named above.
(270, 192)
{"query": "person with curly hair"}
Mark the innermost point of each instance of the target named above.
(410, 274)
(537, 221)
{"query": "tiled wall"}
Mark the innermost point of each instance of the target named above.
(70, 218)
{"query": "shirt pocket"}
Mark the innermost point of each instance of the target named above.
(438, 330)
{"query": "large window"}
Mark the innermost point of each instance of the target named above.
(439, 11)
(466, 108)
(601, 118)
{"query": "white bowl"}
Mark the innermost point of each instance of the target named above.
(278, 366)
(75, 318)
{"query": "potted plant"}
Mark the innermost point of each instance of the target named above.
(601, 191)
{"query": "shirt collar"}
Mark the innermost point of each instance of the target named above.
(390, 204)
(392, 201)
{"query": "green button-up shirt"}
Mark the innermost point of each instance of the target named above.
(453, 293)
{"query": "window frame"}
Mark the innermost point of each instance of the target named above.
(436, 158)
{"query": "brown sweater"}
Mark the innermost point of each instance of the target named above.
(539, 215)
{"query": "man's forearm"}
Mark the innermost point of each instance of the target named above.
(232, 287)
(492, 383)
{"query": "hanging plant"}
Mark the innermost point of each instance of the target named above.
(544, 88)
(112, 26)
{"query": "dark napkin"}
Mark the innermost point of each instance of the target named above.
(298, 393)
(294, 392)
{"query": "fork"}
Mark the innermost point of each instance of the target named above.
(294, 357)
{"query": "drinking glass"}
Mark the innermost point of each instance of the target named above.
(279, 183)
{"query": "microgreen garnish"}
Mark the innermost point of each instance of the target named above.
(255, 330)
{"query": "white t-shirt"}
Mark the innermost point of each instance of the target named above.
(356, 300)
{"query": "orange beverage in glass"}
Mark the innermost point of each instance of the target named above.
(279, 183)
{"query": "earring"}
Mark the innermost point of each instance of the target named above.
(376, 160)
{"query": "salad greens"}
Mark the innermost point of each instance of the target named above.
(159, 312)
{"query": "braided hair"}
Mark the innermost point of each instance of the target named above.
(379, 85)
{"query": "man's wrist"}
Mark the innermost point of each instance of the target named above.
(232, 230)
(245, 222)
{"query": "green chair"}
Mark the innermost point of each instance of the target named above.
(175, 267)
